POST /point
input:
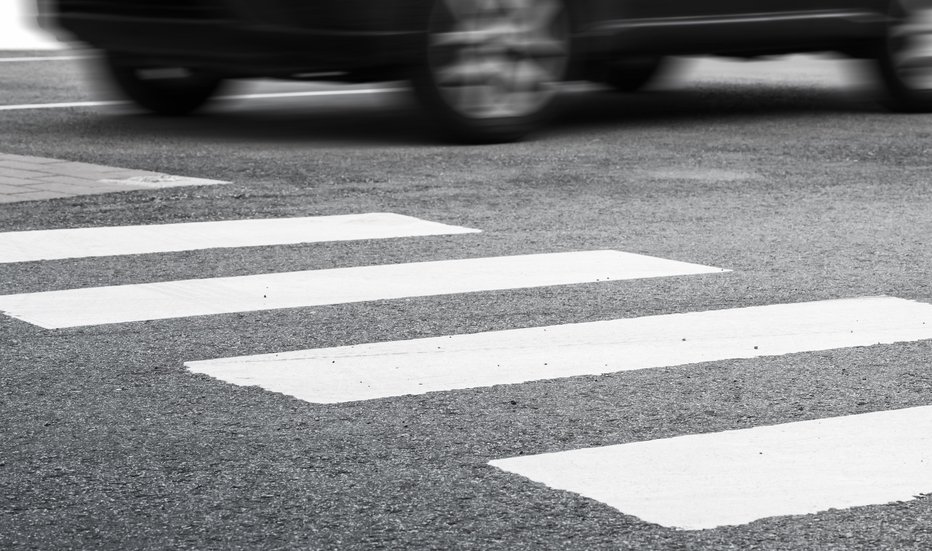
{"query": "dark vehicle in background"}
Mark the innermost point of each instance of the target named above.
(487, 70)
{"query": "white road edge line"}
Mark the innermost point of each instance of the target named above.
(274, 95)
(198, 297)
(28, 246)
(30, 106)
(387, 369)
(45, 58)
(704, 481)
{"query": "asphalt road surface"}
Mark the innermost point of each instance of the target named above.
(784, 182)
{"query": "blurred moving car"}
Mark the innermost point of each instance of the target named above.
(487, 69)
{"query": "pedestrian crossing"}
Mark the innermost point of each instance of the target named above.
(691, 482)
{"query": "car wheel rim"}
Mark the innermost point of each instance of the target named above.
(498, 58)
(911, 45)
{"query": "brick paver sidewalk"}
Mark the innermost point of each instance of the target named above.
(36, 178)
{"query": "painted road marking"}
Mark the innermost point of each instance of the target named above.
(197, 297)
(735, 477)
(381, 370)
(64, 105)
(43, 58)
(274, 95)
(121, 240)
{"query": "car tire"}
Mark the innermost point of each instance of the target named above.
(491, 68)
(171, 91)
(632, 75)
(904, 57)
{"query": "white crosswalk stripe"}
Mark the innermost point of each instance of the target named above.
(199, 297)
(735, 477)
(125, 240)
(380, 370)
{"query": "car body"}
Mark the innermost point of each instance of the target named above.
(488, 69)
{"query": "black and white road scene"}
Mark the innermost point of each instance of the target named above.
(320, 314)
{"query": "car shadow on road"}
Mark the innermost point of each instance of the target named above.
(701, 103)
(392, 118)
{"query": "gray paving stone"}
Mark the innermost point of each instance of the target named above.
(20, 173)
(6, 189)
(33, 160)
(10, 181)
(62, 179)
(32, 196)
(26, 166)
(71, 167)
(24, 178)
(57, 187)
(157, 181)
(84, 171)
